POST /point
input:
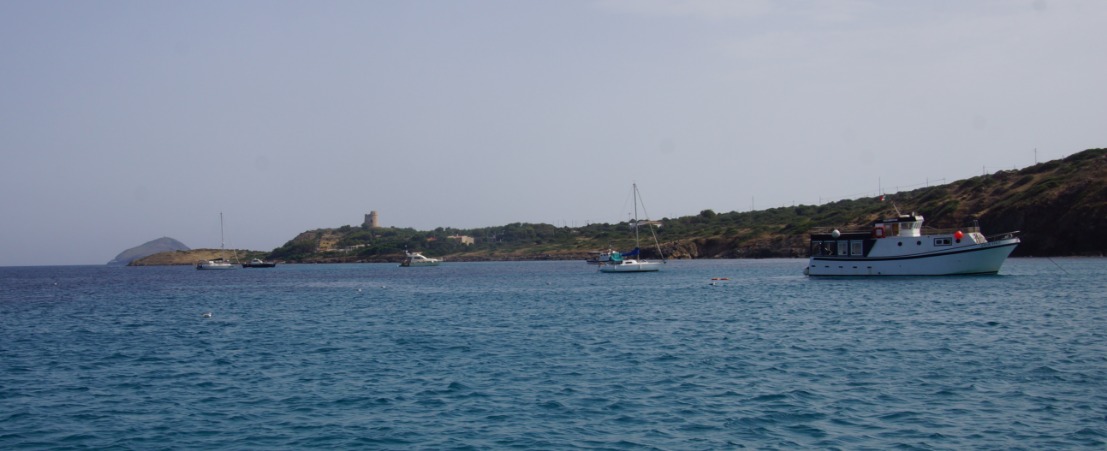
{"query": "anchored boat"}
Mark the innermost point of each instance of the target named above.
(221, 262)
(620, 263)
(600, 257)
(417, 259)
(898, 247)
(259, 263)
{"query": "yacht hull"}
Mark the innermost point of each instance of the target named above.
(982, 258)
(418, 264)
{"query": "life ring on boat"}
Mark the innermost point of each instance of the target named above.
(878, 232)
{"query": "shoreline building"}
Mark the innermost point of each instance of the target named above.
(372, 221)
(463, 239)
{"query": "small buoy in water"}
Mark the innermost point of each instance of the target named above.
(206, 315)
(359, 290)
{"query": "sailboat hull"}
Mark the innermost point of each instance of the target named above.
(215, 265)
(631, 266)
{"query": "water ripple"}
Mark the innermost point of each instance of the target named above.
(552, 355)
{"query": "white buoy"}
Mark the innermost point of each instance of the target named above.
(206, 315)
(835, 233)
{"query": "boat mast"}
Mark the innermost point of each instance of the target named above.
(222, 250)
(648, 223)
(635, 185)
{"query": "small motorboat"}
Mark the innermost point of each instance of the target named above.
(259, 263)
(417, 259)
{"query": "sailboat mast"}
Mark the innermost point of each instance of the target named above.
(222, 245)
(635, 185)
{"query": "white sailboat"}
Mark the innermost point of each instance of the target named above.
(221, 262)
(619, 262)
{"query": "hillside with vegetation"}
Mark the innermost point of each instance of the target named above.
(1060, 208)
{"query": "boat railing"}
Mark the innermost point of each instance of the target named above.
(926, 230)
(829, 230)
(945, 231)
(949, 231)
(1002, 236)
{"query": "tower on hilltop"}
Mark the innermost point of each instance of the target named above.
(371, 220)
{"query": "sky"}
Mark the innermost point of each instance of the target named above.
(125, 121)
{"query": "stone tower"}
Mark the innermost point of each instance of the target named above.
(371, 220)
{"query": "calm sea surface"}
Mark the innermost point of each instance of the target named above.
(552, 355)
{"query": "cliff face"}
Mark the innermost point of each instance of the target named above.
(163, 244)
(1060, 207)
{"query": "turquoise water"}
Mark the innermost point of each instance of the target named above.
(552, 355)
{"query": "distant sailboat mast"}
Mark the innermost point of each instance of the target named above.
(222, 244)
(635, 185)
(648, 223)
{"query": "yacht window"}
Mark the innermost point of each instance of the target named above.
(943, 242)
(843, 248)
(857, 247)
(822, 248)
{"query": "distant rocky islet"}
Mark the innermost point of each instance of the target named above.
(163, 244)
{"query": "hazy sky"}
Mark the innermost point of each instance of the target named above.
(126, 121)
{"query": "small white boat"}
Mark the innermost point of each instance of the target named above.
(221, 262)
(417, 259)
(600, 257)
(897, 247)
(259, 263)
(618, 263)
(218, 263)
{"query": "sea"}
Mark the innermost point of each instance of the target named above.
(704, 355)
